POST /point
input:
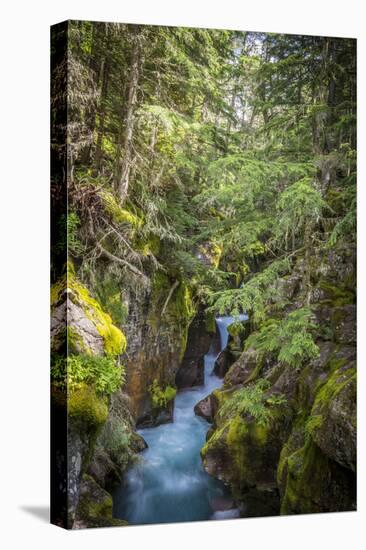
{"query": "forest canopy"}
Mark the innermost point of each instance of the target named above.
(217, 157)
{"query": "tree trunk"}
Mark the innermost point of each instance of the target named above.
(308, 254)
(102, 113)
(127, 159)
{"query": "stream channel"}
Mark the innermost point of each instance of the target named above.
(169, 484)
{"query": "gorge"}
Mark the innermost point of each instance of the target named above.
(169, 483)
(203, 270)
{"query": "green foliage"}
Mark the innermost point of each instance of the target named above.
(74, 244)
(160, 397)
(289, 339)
(68, 227)
(73, 372)
(252, 400)
(116, 438)
(253, 296)
(229, 143)
(297, 204)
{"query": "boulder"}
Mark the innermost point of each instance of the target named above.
(314, 483)
(190, 373)
(332, 423)
(204, 408)
(95, 506)
(223, 362)
(241, 370)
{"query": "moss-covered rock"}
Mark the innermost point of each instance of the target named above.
(95, 506)
(85, 404)
(242, 370)
(332, 423)
(74, 307)
(116, 445)
(244, 452)
(314, 483)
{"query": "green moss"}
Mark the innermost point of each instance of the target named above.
(334, 385)
(313, 423)
(114, 339)
(336, 296)
(304, 473)
(88, 406)
(217, 438)
(177, 314)
(95, 506)
(236, 435)
(110, 297)
(147, 245)
(307, 476)
(118, 214)
(244, 441)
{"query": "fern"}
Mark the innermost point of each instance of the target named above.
(252, 400)
(254, 296)
(290, 340)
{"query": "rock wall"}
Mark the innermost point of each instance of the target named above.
(304, 459)
(157, 333)
(99, 426)
(191, 369)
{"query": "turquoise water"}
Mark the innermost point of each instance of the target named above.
(169, 483)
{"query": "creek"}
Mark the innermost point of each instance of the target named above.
(169, 483)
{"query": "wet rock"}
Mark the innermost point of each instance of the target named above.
(220, 503)
(191, 373)
(95, 506)
(240, 371)
(204, 408)
(155, 344)
(138, 443)
(260, 503)
(244, 454)
(157, 416)
(332, 423)
(104, 471)
(191, 370)
(223, 362)
(314, 483)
